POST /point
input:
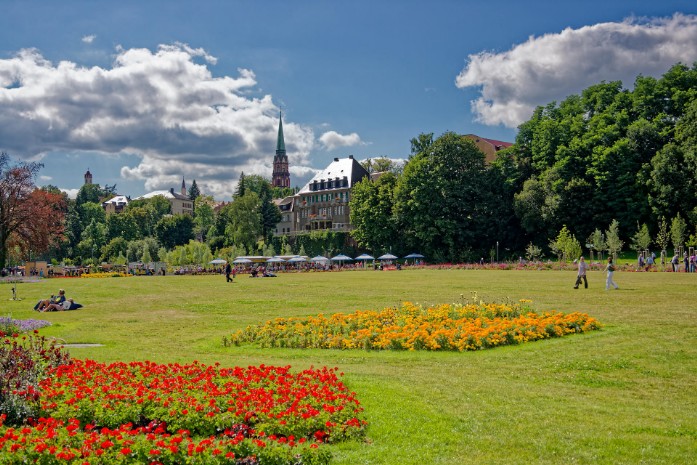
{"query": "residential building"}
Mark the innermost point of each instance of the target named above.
(489, 147)
(324, 201)
(180, 203)
(115, 204)
(285, 226)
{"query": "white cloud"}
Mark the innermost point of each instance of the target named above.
(554, 66)
(89, 39)
(331, 140)
(72, 193)
(162, 105)
(45, 178)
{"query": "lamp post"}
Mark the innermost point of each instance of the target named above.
(497, 251)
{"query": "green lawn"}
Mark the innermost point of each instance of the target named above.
(625, 394)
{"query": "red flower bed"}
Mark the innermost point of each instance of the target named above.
(143, 412)
(204, 399)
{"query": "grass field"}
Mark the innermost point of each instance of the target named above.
(625, 394)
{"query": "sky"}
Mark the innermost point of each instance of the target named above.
(145, 93)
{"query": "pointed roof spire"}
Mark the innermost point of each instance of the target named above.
(280, 143)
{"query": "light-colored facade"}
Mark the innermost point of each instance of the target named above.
(115, 204)
(181, 204)
(323, 204)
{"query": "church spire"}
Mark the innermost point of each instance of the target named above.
(183, 186)
(281, 175)
(280, 143)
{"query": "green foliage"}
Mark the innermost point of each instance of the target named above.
(613, 243)
(322, 242)
(597, 242)
(663, 236)
(24, 361)
(566, 246)
(193, 253)
(678, 228)
(441, 199)
(642, 239)
(194, 192)
(243, 225)
(204, 216)
(136, 249)
(174, 230)
(372, 215)
(115, 248)
(533, 252)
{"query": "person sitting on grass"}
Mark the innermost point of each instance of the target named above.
(43, 304)
(59, 307)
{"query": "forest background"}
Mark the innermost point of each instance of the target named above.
(599, 170)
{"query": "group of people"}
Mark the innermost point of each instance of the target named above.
(56, 303)
(583, 268)
(689, 262)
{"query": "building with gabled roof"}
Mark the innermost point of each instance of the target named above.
(489, 147)
(181, 204)
(115, 204)
(323, 203)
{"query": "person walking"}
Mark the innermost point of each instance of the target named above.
(674, 261)
(582, 267)
(610, 268)
(228, 272)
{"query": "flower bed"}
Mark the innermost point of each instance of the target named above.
(204, 399)
(147, 413)
(51, 441)
(105, 274)
(9, 325)
(412, 327)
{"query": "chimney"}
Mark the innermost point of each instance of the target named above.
(350, 157)
(336, 158)
(171, 190)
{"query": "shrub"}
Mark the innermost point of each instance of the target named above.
(24, 361)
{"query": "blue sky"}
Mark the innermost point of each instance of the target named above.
(143, 93)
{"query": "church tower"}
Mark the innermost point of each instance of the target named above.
(281, 176)
(183, 186)
(88, 177)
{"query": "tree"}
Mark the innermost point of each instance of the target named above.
(174, 230)
(30, 219)
(136, 249)
(204, 216)
(116, 247)
(663, 236)
(244, 221)
(240, 189)
(381, 165)
(566, 246)
(372, 212)
(678, 228)
(441, 198)
(421, 143)
(122, 225)
(642, 239)
(597, 242)
(194, 192)
(269, 214)
(533, 252)
(613, 242)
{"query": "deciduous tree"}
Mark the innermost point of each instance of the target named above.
(30, 218)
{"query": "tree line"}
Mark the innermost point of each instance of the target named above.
(607, 159)
(599, 170)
